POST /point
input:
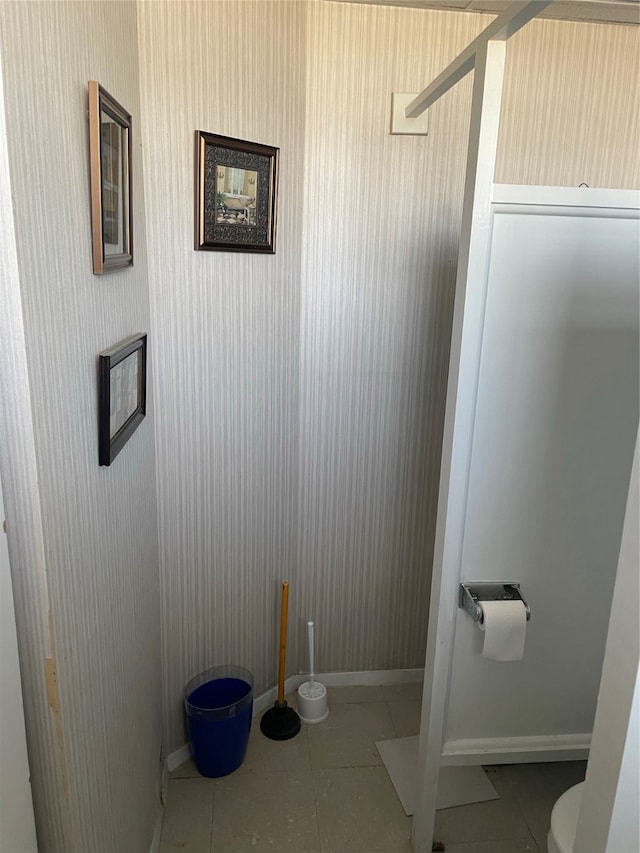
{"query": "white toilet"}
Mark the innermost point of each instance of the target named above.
(564, 821)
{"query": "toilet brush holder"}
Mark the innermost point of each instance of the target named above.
(312, 702)
(312, 696)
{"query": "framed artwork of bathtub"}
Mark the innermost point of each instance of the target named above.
(236, 194)
(122, 395)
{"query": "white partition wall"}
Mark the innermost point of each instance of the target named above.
(17, 825)
(537, 483)
(556, 416)
(609, 819)
(546, 403)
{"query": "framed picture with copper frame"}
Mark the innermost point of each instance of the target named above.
(110, 163)
(236, 194)
(122, 395)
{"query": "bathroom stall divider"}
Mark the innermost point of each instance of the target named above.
(540, 425)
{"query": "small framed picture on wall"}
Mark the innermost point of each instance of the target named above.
(122, 395)
(236, 194)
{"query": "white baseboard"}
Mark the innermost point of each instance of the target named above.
(175, 759)
(516, 750)
(367, 678)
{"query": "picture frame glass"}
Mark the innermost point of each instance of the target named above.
(237, 196)
(125, 382)
(112, 147)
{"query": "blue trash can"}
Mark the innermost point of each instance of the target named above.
(219, 706)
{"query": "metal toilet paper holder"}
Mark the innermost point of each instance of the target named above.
(472, 593)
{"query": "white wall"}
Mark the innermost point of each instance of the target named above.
(624, 829)
(555, 423)
(24, 532)
(17, 824)
(88, 599)
(609, 820)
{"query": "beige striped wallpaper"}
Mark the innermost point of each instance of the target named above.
(301, 396)
(92, 547)
(571, 109)
(381, 223)
(19, 473)
(226, 330)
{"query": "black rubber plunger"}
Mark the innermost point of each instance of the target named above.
(281, 722)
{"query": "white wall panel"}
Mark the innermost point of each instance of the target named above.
(555, 425)
(99, 525)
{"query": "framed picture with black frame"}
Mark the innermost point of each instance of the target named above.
(122, 395)
(236, 194)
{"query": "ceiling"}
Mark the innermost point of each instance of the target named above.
(603, 11)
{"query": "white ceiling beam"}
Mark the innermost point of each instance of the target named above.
(501, 29)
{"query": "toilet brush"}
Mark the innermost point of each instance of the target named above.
(312, 696)
(281, 722)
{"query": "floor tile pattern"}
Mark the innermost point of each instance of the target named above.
(326, 791)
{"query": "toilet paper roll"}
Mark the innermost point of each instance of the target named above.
(504, 626)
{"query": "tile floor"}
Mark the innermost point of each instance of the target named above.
(326, 791)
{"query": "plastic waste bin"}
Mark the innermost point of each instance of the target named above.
(219, 706)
